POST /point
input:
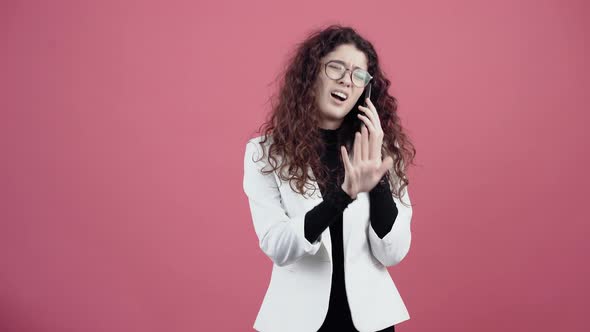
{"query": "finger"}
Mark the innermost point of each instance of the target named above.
(346, 160)
(367, 112)
(376, 144)
(374, 131)
(367, 121)
(372, 107)
(373, 147)
(357, 148)
(364, 143)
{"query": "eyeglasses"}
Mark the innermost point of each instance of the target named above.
(336, 70)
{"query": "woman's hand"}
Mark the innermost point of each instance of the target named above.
(366, 168)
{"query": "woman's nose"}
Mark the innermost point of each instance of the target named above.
(345, 79)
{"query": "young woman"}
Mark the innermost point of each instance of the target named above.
(330, 249)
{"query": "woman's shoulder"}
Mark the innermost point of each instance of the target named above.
(258, 149)
(256, 143)
(259, 138)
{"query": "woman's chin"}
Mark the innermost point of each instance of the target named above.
(335, 113)
(341, 110)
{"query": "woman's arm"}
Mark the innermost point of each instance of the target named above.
(282, 238)
(324, 214)
(392, 243)
(383, 210)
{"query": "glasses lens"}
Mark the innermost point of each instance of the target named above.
(335, 70)
(360, 78)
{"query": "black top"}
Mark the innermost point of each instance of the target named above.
(328, 213)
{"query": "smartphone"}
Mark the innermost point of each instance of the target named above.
(367, 94)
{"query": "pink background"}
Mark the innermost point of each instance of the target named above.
(123, 126)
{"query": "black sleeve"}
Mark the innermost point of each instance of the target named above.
(323, 215)
(383, 210)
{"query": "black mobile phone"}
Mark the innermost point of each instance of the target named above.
(366, 95)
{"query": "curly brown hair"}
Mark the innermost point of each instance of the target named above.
(294, 120)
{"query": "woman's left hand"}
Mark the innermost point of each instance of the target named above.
(366, 168)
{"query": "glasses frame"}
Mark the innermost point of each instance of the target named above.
(344, 73)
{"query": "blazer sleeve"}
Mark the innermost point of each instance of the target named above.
(390, 248)
(281, 237)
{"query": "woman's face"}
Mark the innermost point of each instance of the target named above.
(332, 110)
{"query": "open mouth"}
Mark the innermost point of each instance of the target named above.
(338, 96)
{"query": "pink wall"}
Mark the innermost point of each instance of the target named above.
(123, 126)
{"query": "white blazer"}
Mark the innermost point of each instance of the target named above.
(299, 290)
